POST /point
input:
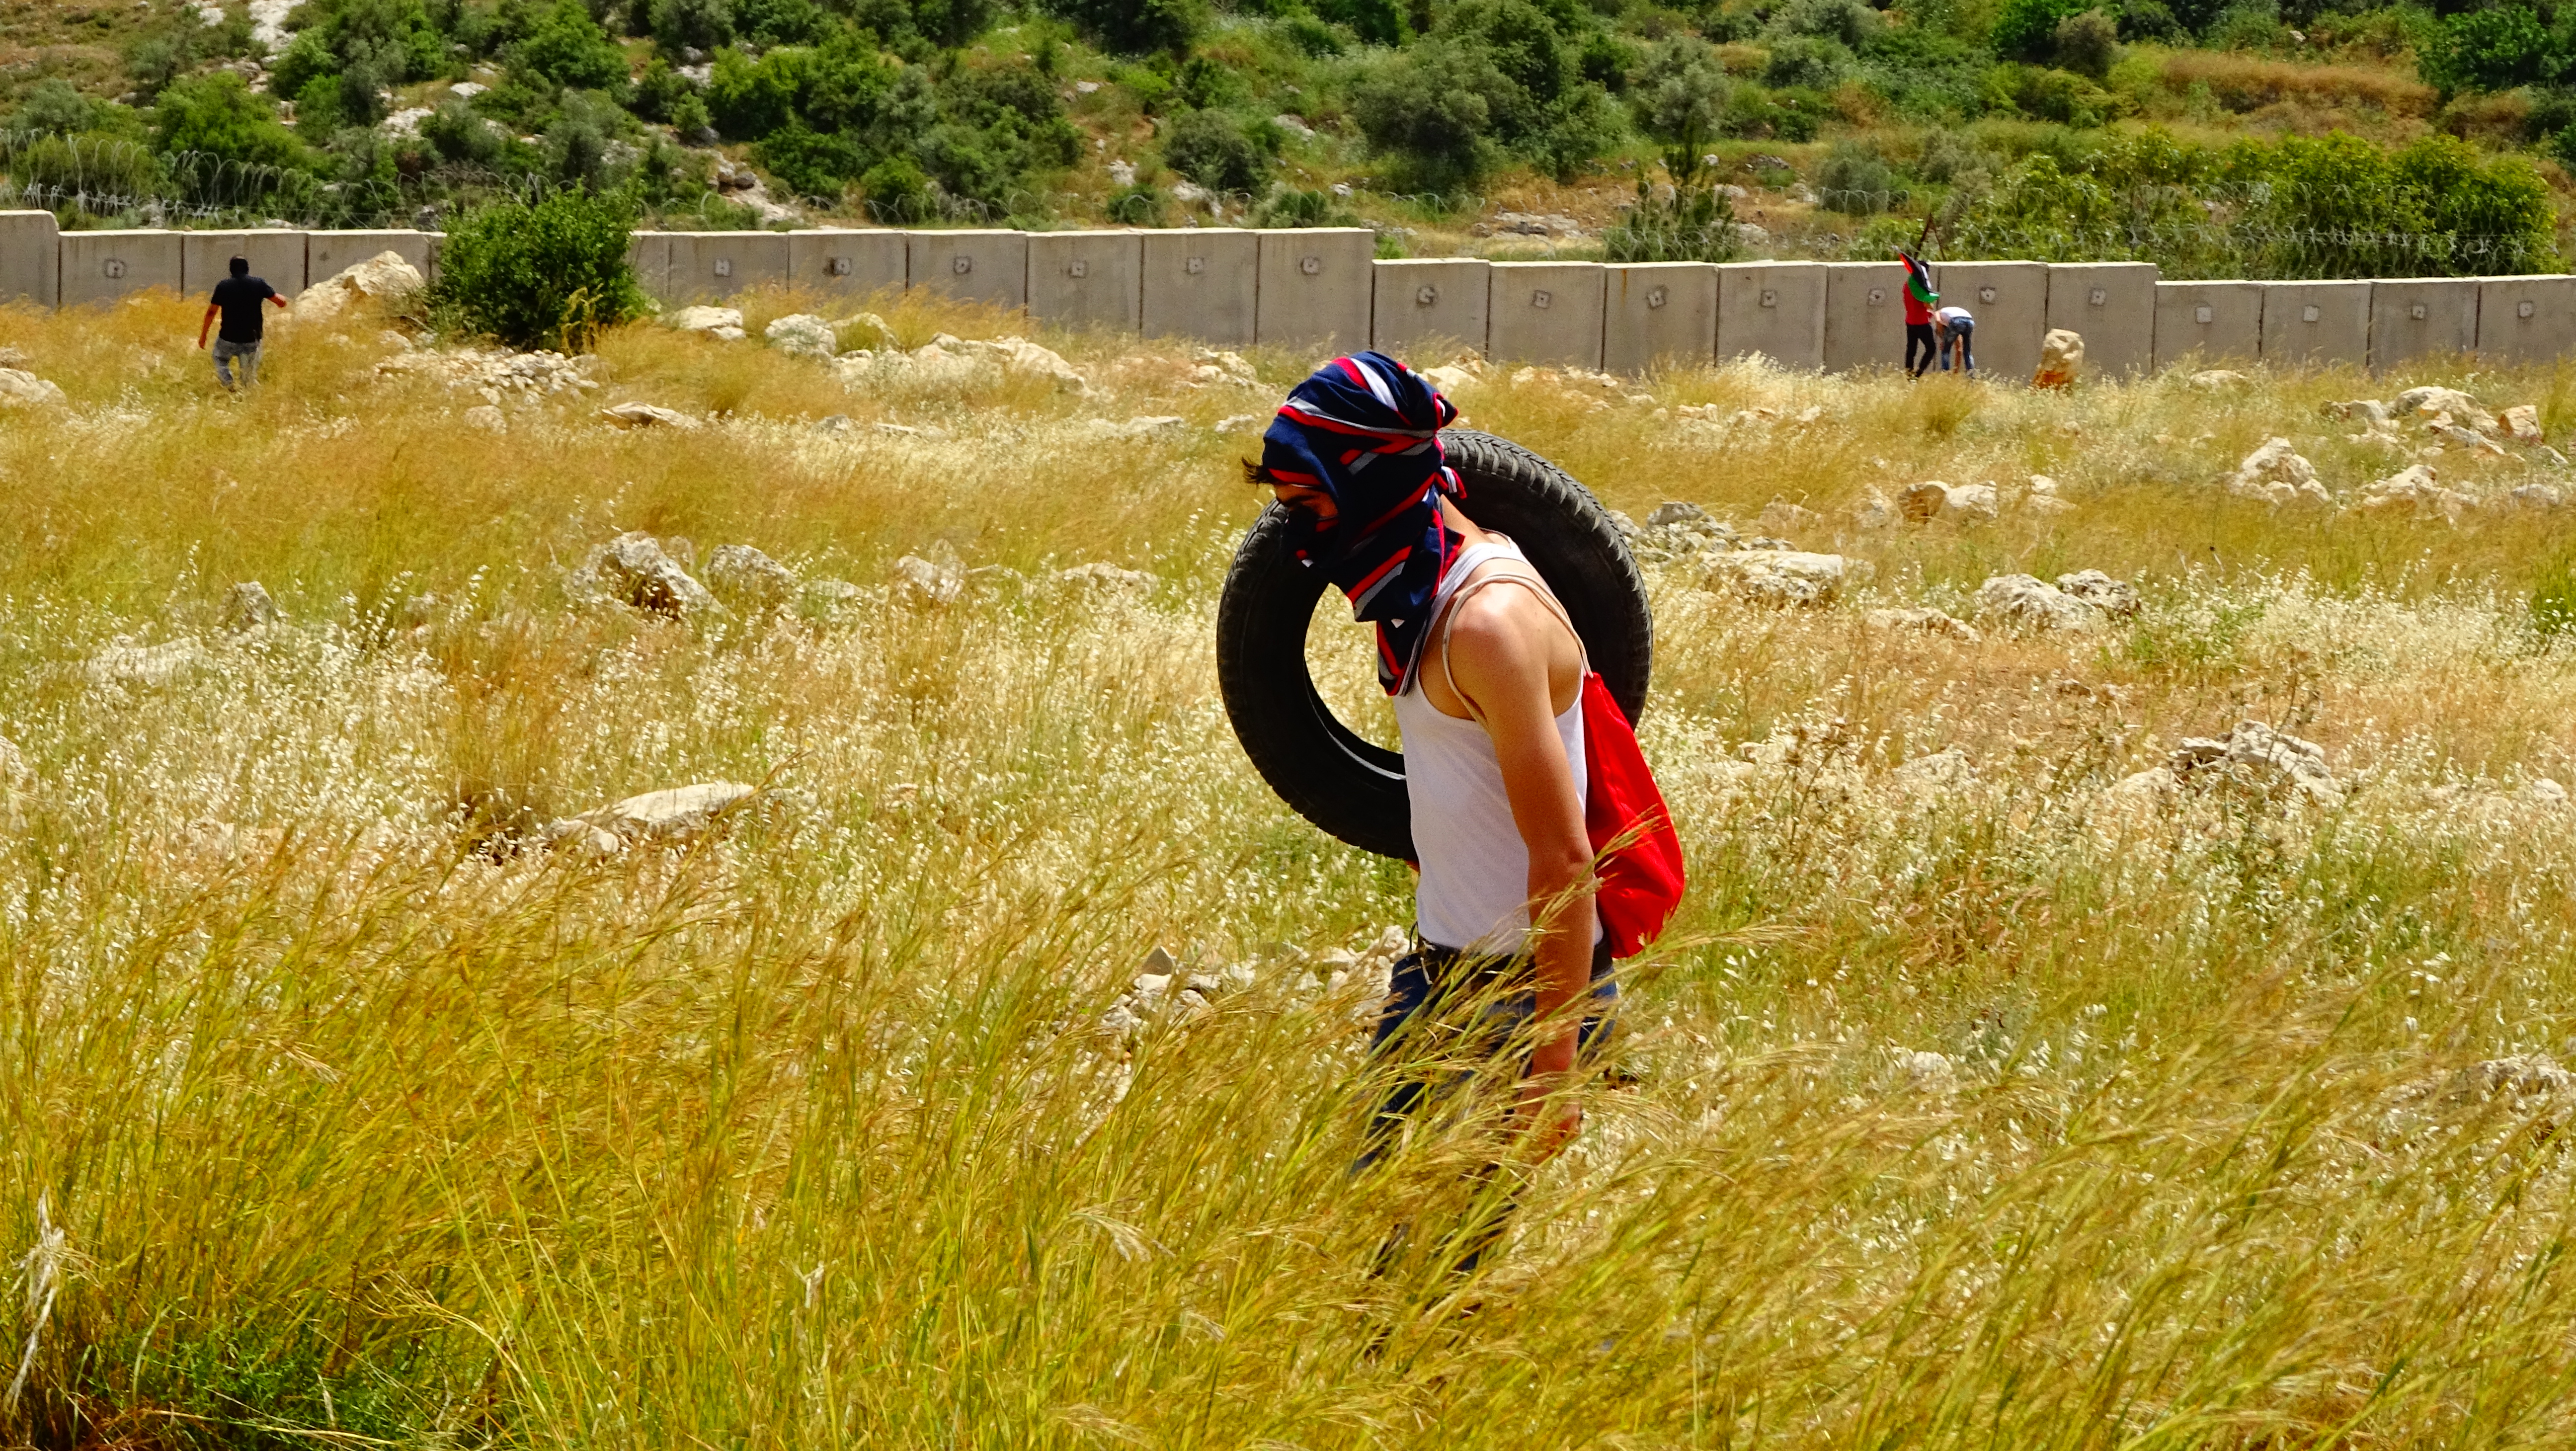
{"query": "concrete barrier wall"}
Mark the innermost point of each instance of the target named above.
(2316, 324)
(1202, 283)
(1440, 300)
(711, 266)
(1088, 279)
(1320, 288)
(1315, 286)
(2112, 305)
(1658, 314)
(848, 263)
(98, 266)
(1865, 316)
(328, 254)
(1547, 312)
(2526, 319)
(31, 259)
(2010, 303)
(1773, 309)
(275, 256)
(2422, 318)
(2218, 321)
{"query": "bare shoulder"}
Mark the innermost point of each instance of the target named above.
(1501, 633)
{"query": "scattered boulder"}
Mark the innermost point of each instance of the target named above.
(1930, 621)
(1223, 366)
(678, 814)
(1448, 377)
(2524, 1075)
(1782, 517)
(633, 570)
(1107, 577)
(2113, 597)
(2370, 411)
(922, 583)
(716, 322)
(1678, 530)
(486, 418)
(2020, 602)
(2276, 474)
(2413, 491)
(2539, 496)
(2043, 498)
(2433, 402)
(20, 388)
(2061, 359)
(1874, 510)
(2257, 756)
(1019, 356)
(150, 666)
(2522, 424)
(867, 331)
(247, 607)
(1926, 1071)
(646, 415)
(803, 334)
(747, 575)
(381, 278)
(2219, 380)
(1972, 503)
(1784, 577)
(1923, 503)
(2473, 442)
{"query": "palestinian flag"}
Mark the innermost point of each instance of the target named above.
(1918, 282)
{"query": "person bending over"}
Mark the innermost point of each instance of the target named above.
(1487, 673)
(1920, 299)
(237, 298)
(1957, 330)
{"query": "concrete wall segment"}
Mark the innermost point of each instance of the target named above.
(980, 264)
(2421, 317)
(2526, 319)
(276, 256)
(1316, 288)
(848, 262)
(2316, 324)
(98, 266)
(328, 254)
(1774, 309)
(1547, 312)
(1088, 279)
(2112, 306)
(1865, 315)
(2009, 300)
(709, 266)
(2217, 321)
(1418, 303)
(1659, 314)
(31, 259)
(1203, 283)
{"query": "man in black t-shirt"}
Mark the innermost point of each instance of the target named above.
(238, 298)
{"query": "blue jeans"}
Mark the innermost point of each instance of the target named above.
(225, 351)
(1448, 1015)
(1958, 337)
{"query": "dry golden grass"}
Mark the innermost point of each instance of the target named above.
(2243, 82)
(325, 1116)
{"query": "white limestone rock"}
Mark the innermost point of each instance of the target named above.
(381, 278)
(1930, 621)
(2022, 603)
(2255, 755)
(1782, 577)
(802, 334)
(2113, 597)
(750, 577)
(633, 570)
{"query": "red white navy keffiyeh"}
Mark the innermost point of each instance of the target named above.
(1365, 432)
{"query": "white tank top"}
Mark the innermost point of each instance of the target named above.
(1474, 892)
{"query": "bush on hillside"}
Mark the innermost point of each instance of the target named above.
(1686, 220)
(1679, 88)
(1216, 150)
(2087, 44)
(1856, 181)
(2026, 29)
(2499, 49)
(547, 275)
(565, 47)
(1135, 27)
(1426, 111)
(218, 116)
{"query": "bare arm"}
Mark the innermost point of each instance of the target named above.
(1501, 652)
(206, 322)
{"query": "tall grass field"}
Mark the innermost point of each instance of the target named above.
(1991, 1089)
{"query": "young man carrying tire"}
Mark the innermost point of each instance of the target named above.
(1487, 675)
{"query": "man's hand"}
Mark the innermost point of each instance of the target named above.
(204, 323)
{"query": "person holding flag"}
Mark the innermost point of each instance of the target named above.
(1920, 299)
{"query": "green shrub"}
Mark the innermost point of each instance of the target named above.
(547, 275)
(1427, 111)
(1135, 27)
(1808, 61)
(1313, 38)
(815, 164)
(2499, 49)
(1856, 180)
(1678, 88)
(217, 115)
(1378, 22)
(703, 25)
(2025, 29)
(565, 47)
(1766, 115)
(1138, 206)
(1216, 150)
(1691, 222)
(2087, 44)
(897, 191)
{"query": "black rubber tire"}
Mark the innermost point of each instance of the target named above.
(1321, 767)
